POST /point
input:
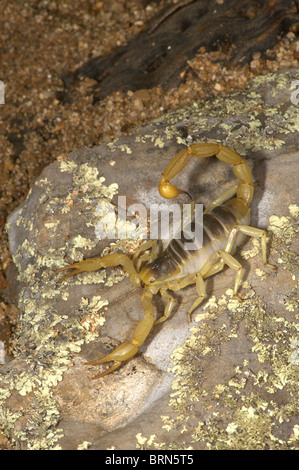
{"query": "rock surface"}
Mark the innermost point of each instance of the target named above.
(227, 381)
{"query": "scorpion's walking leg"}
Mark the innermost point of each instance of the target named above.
(234, 264)
(125, 351)
(180, 284)
(168, 307)
(147, 252)
(201, 290)
(251, 232)
(214, 264)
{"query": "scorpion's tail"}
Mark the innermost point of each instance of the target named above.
(241, 170)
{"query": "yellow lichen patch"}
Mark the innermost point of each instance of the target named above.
(202, 316)
(284, 230)
(294, 210)
(294, 439)
(256, 247)
(78, 244)
(284, 227)
(140, 439)
(292, 305)
(91, 308)
(84, 445)
(262, 274)
(123, 147)
(159, 142)
(143, 442)
(68, 166)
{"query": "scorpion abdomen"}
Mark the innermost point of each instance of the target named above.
(215, 227)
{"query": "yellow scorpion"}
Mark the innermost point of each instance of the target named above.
(225, 224)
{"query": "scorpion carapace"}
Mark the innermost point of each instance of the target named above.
(225, 224)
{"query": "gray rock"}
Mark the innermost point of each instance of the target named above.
(226, 381)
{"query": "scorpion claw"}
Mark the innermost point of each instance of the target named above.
(108, 371)
(271, 266)
(91, 264)
(77, 271)
(121, 353)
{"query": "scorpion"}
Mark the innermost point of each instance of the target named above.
(226, 223)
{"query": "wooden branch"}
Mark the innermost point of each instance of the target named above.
(159, 54)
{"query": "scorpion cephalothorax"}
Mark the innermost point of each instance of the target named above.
(225, 224)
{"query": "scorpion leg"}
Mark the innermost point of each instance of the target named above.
(214, 264)
(139, 258)
(168, 307)
(246, 230)
(179, 284)
(201, 290)
(234, 264)
(251, 232)
(125, 351)
(200, 286)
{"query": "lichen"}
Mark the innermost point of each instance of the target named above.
(251, 135)
(84, 446)
(46, 341)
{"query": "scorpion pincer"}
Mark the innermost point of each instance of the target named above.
(226, 222)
